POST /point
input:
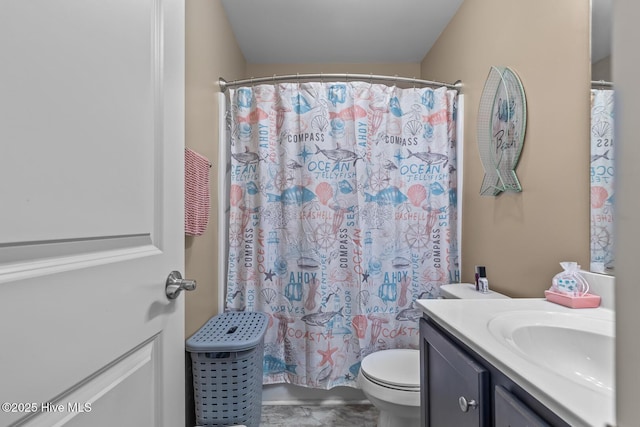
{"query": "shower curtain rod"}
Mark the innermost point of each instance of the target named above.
(601, 83)
(366, 77)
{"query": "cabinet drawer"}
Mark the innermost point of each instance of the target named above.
(510, 412)
(455, 387)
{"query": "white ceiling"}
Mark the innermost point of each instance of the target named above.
(337, 31)
(358, 31)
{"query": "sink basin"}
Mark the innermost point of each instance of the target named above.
(577, 347)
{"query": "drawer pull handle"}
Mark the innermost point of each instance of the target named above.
(466, 404)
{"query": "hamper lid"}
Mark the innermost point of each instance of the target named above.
(232, 331)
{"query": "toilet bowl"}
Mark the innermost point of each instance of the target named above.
(390, 379)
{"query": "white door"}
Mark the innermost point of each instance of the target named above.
(91, 212)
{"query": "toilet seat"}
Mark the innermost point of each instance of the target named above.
(397, 369)
(390, 386)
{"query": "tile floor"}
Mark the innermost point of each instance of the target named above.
(352, 415)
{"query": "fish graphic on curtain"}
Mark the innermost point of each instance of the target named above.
(343, 212)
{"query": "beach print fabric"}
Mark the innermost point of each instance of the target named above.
(342, 213)
(602, 188)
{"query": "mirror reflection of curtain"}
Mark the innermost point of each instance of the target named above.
(343, 212)
(602, 177)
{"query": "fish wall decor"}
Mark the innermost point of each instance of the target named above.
(502, 121)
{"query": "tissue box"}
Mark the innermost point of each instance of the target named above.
(585, 301)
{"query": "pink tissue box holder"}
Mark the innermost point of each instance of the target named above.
(585, 301)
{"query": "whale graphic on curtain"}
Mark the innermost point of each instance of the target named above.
(343, 212)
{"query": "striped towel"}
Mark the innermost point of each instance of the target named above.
(196, 193)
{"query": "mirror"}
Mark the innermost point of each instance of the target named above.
(602, 154)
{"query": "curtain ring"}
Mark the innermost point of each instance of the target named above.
(370, 80)
(414, 82)
(321, 78)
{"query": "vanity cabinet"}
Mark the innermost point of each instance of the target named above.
(460, 388)
(510, 412)
(454, 386)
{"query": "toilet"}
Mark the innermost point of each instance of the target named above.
(390, 379)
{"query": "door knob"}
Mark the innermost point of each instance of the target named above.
(176, 284)
(466, 404)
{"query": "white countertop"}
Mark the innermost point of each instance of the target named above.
(578, 405)
(467, 291)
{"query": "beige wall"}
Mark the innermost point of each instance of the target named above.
(211, 52)
(626, 64)
(601, 70)
(522, 237)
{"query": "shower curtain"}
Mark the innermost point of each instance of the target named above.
(343, 211)
(602, 174)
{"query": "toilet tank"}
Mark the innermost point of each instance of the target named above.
(467, 291)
